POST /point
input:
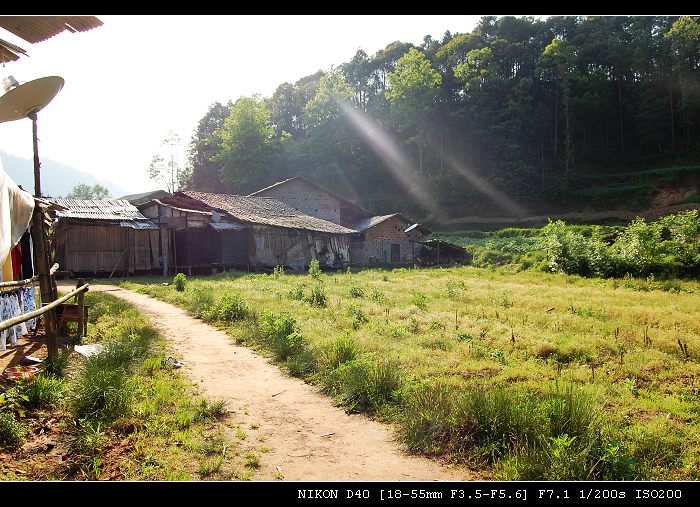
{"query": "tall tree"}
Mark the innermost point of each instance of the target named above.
(203, 146)
(413, 89)
(246, 141)
(165, 166)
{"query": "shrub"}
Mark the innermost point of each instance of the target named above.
(297, 292)
(179, 281)
(232, 307)
(357, 315)
(317, 297)
(282, 334)
(12, 432)
(364, 386)
(340, 351)
(377, 295)
(356, 291)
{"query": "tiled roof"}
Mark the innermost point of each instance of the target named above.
(262, 191)
(266, 211)
(98, 209)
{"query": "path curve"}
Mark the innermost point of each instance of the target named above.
(311, 439)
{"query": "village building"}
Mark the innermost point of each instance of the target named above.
(280, 235)
(315, 200)
(104, 236)
(380, 239)
(195, 237)
(387, 239)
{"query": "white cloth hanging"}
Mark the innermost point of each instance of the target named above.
(16, 208)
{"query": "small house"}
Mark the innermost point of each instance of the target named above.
(104, 236)
(387, 239)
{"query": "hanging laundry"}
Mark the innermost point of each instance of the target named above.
(16, 208)
(17, 262)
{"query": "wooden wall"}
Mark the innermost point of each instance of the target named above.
(276, 246)
(102, 248)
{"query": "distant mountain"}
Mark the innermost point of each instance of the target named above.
(57, 179)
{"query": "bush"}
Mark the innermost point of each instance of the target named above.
(364, 386)
(356, 291)
(357, 315)
(340, 351)
(297, 292)
(317, 297)
(282, 334)
(420, 300)
(232, 307)
(12, 432)
(179, 281)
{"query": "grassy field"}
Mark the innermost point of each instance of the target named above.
(122, 414)
(523, 375)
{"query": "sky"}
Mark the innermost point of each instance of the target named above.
(133, 80)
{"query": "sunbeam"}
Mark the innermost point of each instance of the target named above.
(392, 157)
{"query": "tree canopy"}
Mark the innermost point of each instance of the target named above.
(518, 110)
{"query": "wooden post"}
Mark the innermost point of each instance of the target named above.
(81, 306)
(45, 285)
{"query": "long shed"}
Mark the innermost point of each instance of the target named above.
(103, 236)
(387, 239)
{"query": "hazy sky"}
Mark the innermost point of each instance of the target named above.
(130, 81)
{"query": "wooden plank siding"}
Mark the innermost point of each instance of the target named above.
(101, 248)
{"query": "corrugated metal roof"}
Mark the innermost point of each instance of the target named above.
(227, 226)
(140, 225)
(370, 222)
(98, 209)
(39, 28)
(266, 211)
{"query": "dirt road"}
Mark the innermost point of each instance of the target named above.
(311, 440)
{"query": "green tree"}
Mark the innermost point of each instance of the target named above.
(203, 147)
(165, 167)
(684, 37)
(413, 90)
(246, 141)
(558, 60)
(85, 191)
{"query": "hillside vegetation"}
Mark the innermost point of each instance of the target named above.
(519, 116)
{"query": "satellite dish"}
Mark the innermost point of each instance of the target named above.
(30, 97)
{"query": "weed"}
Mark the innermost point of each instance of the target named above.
(297, 292)
(232, 307)
(377, 295)
(42, 391)
(357, 315)
(180, 282)
(12, 432)
(251, 460)
(317, 297)
(315, 270)
(340, 351)
(356, 291)
(420, 300)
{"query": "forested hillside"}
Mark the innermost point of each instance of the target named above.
(519, 116)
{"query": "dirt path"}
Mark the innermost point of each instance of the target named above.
(311, 440)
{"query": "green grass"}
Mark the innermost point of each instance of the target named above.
(562, 347)
(124, 411)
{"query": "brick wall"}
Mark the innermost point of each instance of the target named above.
(307, 199)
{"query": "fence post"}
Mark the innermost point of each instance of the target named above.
(81, 282)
